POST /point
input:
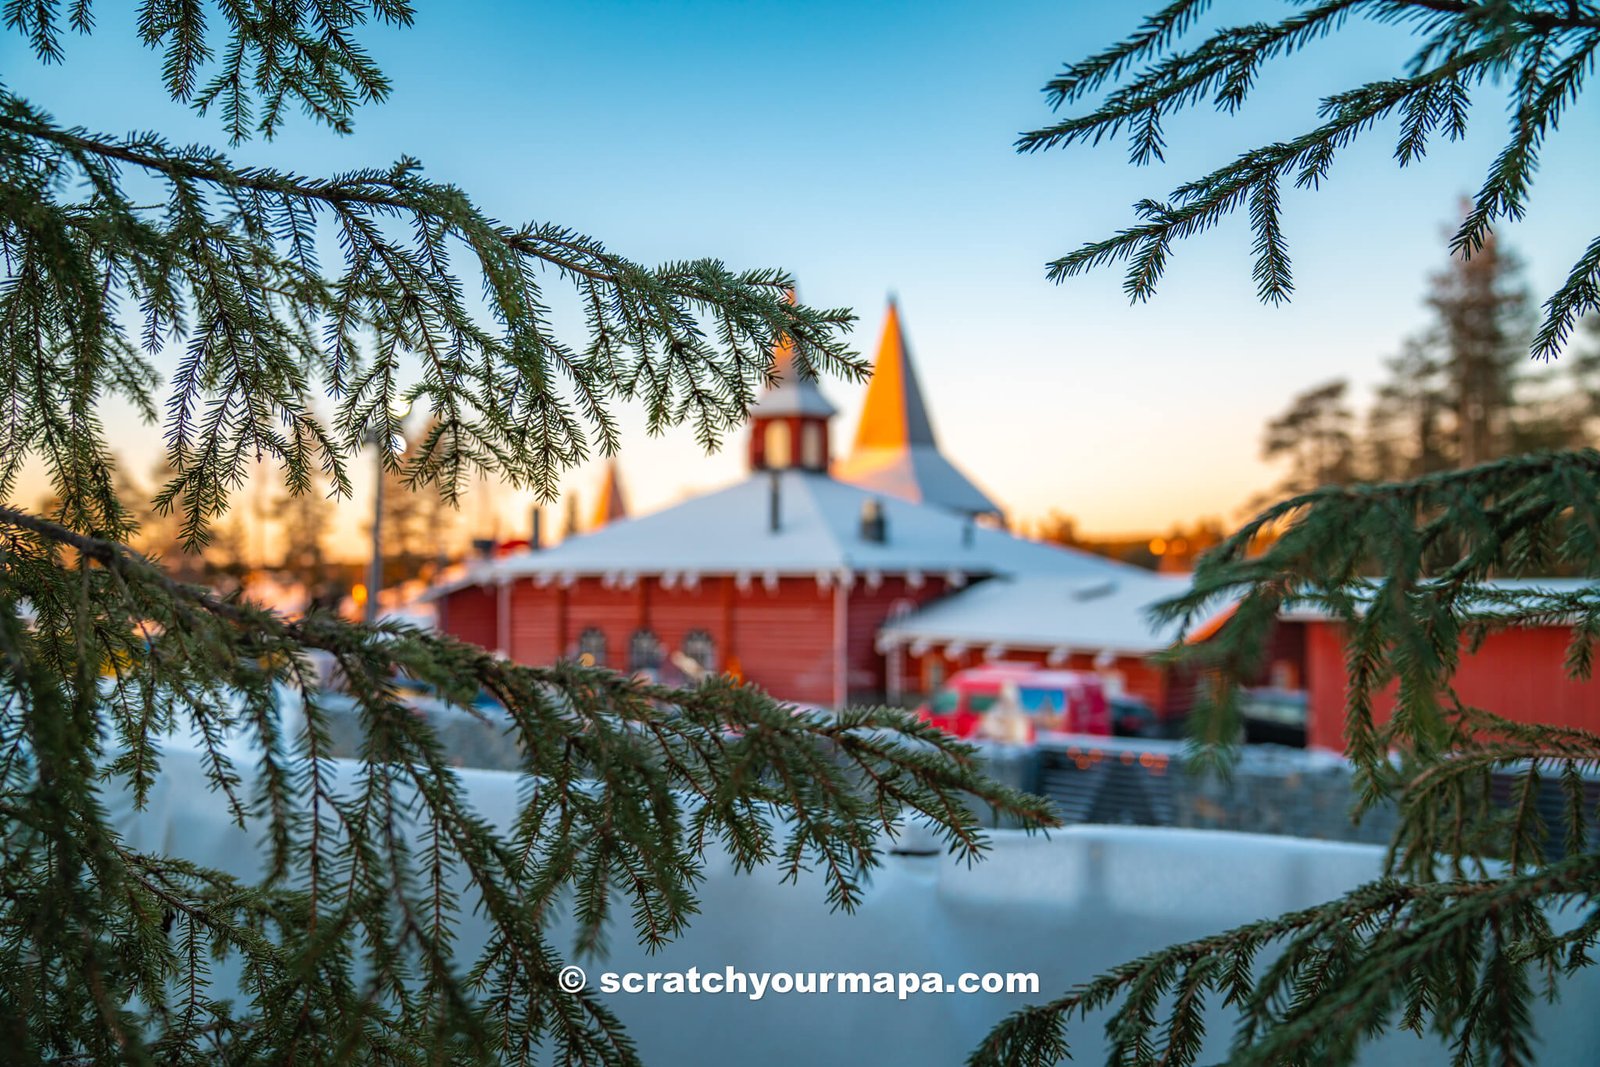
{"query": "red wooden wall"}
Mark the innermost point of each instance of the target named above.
(535, 623)
(1516, 674)
(781, 639)
(469, 614)
(867, 609)
(784, 639)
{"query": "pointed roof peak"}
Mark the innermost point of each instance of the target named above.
(895, 450)
(894, 415)
(611, 507)
(790, 394)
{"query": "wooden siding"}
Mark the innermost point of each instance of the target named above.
(469, 615)
(1516, 674)
(615, 612)
(535, 623)
(674, 612)
(866, 673)
(784, 639)
(781, 639)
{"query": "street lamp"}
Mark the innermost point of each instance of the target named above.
(384, 442)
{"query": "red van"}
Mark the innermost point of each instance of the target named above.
(1064, 701)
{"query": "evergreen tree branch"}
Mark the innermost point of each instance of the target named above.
(278, 293)
(229, 267)
(624, 802)
(1339, 959)
(1548, 49)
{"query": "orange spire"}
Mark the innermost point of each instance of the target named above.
(894, 415)
(895, 451)
(611, 506)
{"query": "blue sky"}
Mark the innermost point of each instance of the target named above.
(867, 148)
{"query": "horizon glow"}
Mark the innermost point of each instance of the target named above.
(867, 149)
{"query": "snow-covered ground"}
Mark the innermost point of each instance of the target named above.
(1066, 907)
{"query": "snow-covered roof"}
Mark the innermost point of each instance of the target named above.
(1048, 611)
(1300, 611)
(919, 473)
(728, 532)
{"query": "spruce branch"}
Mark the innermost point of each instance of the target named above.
(1333, 977)
(1416, 573)
(294, 306)
(623, 803)
(228, 266)
(1406, 569)
(1546, 50)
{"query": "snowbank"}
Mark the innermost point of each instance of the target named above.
(1066, 907)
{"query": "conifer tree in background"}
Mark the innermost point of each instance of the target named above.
(1406, 434)
(1314, 436)
(1458, 939)
(1463, 391)
(1482, 337)
(296, 306)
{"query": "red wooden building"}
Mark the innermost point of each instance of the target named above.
(786, 578)
(1517, 674)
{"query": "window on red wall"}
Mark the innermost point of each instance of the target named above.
(811, 456)
(644, 651)
(1285, 674)
(778, 449)
(699, 646)
(592, 647)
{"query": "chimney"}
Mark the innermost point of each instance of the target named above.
(774, 502)
(535, 538)
(874, 527)
(484, 547)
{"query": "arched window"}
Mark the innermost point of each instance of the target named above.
(811, 457)
(644, 651)
(592, 647)
(700, 647)
(778, 452)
